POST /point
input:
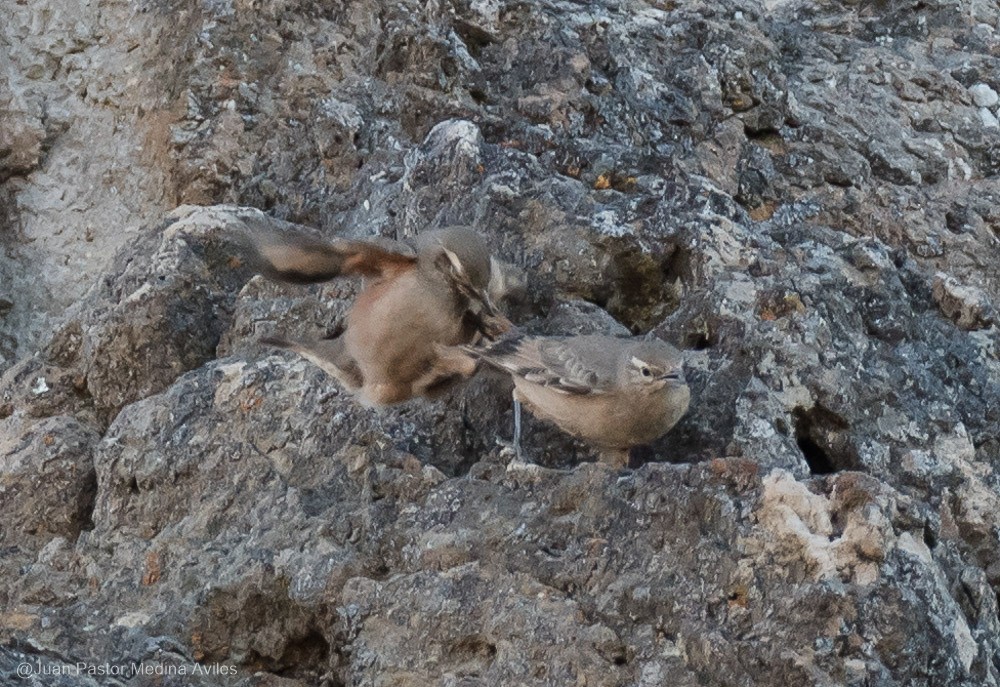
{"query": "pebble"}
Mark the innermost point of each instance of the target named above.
(984, 96)
(989, 119)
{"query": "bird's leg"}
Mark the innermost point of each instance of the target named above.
(616, 459)
(517, 430)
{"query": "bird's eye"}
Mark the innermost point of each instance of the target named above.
(645, 372)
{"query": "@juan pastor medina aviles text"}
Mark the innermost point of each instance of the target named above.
(125, 669)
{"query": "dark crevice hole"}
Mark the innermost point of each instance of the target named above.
(88, 504)
(303, 657)
(819, 462)
(837, 523)
(309, 651)
(677, 266)
(475, 647)
(766, 134)
(823, 438)
(640, 297)
(700, 341)
(699, 335)
(474, 37)
(930, 538)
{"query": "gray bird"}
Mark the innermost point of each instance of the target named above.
(611, 392)
(417, 298)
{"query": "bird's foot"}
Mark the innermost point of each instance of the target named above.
(511, 454)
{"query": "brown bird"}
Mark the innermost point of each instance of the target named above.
(434, 293)
(613, 393)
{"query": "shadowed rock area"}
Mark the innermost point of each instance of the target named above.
(805, 196)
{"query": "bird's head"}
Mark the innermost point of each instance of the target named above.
(654, 365)
(463, 247)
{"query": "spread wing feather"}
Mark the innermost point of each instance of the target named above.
(291, 253)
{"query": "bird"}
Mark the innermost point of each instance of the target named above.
(614, 393)
(435, 292)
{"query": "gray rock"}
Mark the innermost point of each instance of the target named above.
(968, 307)
(801, 194)
(988, 118)
(47, 483)
(983, 95)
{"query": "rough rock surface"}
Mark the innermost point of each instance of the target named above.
(805, 195)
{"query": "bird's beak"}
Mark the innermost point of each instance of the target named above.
(675, 377)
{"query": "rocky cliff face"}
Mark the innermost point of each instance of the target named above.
(804, 195)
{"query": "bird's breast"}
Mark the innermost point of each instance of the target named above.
(614, 419)
(393, 326)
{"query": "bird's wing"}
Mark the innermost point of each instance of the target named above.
(553, 363)
(289, 253)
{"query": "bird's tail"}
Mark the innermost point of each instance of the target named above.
(469, 357)
(327, 354)
(277, 342)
